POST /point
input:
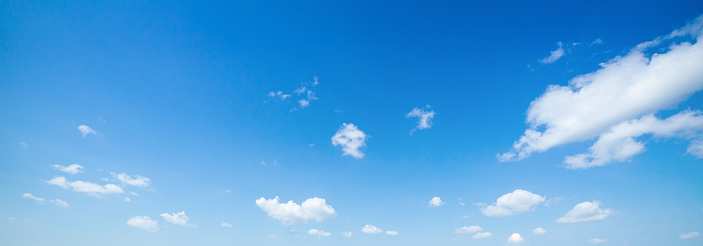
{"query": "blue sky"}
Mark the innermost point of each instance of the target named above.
(360, 123)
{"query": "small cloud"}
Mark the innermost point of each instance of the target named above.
(585, 212)
(436, 202)
(86, 187)
(319, 233)
(468, 229)
(133, 193)
(291, 213)
(226, 224)
(30, 196)
(539, 231)
(311, 145)
(392, 233)
(351, 139)
(136, 180)
(127, 199)
(347, 234)
(595, 42)
(424, 116)
(23, 144)
(514, 203)
(179, 218)
(279, 94)
(72, 169)
(371, 229)
(40, 200)
(482, 235)
(596, 240)
(554, 56)
(144, 223)
(228, 191)
(689, 235)
(515, 238)
(12, 218)
(85, 130)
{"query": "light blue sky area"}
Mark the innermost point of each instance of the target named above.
(359, 123)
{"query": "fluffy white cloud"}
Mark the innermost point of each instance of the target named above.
(618, 144)
(516, 202)
(351, 139)
(554, 55)
(371, 229)
(72, 169)
(689, 235)
(86, 187)
(136, 180)
(436, 202)
(291, 213)
(347, 234)
(482, 235)
(392, 233)
(226, 224)
(85, 130)
(625, 88)
(179, 218)
(585, 212)
(319, 233)
(468, 229)
(424, 116)
(144, 223)
(596, 240)
(539, 231)
(515, 238)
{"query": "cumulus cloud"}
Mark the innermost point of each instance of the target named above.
(371, 229)
(351, 139)
(596, 240)
(85, 130)
(392, 233)
(515, 238)
(436, 202)
(516, 202)
(135, 180)
(291, 213)
(319, 233)
(585, 212)
(482, 235)
(86, 187)
(623, 89)
(144, 223)
(347, 234)
(226, 224)
(689, 235)
(179, 218)
(72, 169)
(424, 116)
(554, 55)
(468, 229)
(539, 231)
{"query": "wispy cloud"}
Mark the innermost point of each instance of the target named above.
(86, 187)
(144, 223)
(72, 169)
(41, 200)
(424, 116)
(136, 180)
(554, 55)
(179, 218)
(85, 130)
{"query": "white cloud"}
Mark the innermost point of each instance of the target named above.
(696, 149)
(347, 234)
(291, 213)
(625, 88)
(303, 103)
(72, 169)
(86, 187)
(133, 193)
(554, 55)
(127, 199)
(597, 41)
(279, 94)
(179, 218)
(596, 240)
(30, 196)
(515, 238)
(371, 229)
(226, 224)
(41, 200)
(619, 144)
(136, 180)
(436, 202)
(585, 212)
(351, 139)
(689, 235)
(392, 233)
(424, 116)
(468, 229)
(539, 231)
(319, 233)
(144, 223)
(516, 202)
(85, 130)
(482, 235)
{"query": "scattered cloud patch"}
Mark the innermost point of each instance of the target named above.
(436, 202)
(351, 139)
(348, 234)
(482, 235)
(468, 229)
(539, 231)
(689, 235)
(695, 149)
(136, 180)
(516, 202)
(371, 229)
(30, 196)
(279, 94)
(72, 169)
(515, 238)
(554, 55)
(86, 187)
(595, 42)
(303, 90)
(392, 233)
(623, 89)
(585, 212)
(319, 233)
(226, 224)
(596, 240)
(291, 213)
(85, 130)
(179, 218)
(144, 223)
(127, 199)
(424, 116)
